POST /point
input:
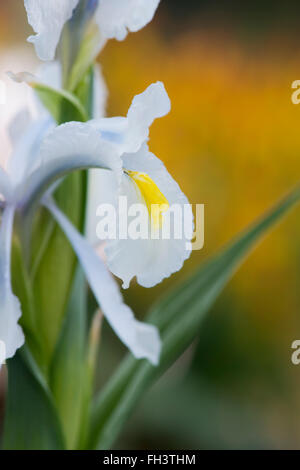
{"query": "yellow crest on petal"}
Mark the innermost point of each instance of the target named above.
(154, 199)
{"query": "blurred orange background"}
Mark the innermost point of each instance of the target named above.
(232, 142)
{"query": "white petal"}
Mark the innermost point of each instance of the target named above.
(47, 18)
(128, 134)
(69, 147)
(102, 187)
(10, 331)
(50, 74)
(116, 17)
(131, 132)
(150, 260)
(17, 96)
(142, 339)
(5, 184)
(153, 103)
(18, 125)
(96, 177)
(25, 157)
(21, 77)
(100, 93)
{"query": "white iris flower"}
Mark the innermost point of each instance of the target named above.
(44, 155)
(33, 168)
(22, 163)
(144, 180)
(118, 148)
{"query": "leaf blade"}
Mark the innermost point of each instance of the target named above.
(61, 104)
(114, 404)
(31, 422)
(68, 373)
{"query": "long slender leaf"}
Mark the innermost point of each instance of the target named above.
(68, 374)
(178, 317)
(54, 276)
(31, 421)
(56, 261)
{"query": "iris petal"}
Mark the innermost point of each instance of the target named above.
(5, 184)
(151, 260)
(11, 333)
(116, 17)
(131, 132)
(47, 18)
(69, 147)
(140, 338)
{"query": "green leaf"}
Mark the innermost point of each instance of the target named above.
(62, 105)
(85, 91)
(31, 418)
(69, 375)
(54, 276)
(54, 261)
(179, 316)
(85, 58)
(31, 421)
(22, 288)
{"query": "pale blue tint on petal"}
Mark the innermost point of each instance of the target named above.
(83, 13)
(69, 147)
(10, 311)
(77, 25)
(18, 125)
(140, 338)
(25, 158)
(5, 184)
(92, 5)
(100, 93)
(112, 129)
(130, 133)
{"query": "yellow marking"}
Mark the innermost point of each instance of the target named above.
(155, 200)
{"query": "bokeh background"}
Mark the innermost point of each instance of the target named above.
(232, 141)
